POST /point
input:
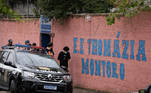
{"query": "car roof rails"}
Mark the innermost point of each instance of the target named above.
(26, 47)
(16, 46)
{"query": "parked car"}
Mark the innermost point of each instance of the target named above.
(23, 71)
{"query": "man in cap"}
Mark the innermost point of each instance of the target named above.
(10, 43)
(27, 42)
(49, 49)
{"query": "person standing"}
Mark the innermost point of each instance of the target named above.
(49, 49)
(10, 43)
(34, 45)
(27, 42)
(64, 57)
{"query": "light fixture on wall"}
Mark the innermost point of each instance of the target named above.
(88, 18)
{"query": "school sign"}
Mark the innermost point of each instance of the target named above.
(93, 66)
(113, 58)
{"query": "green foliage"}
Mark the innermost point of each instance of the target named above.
(4, 8)
(128, 8)
(95, 6)
(61, 8)
(6, 11)
(110, 19)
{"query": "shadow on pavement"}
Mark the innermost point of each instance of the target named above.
(81, 90)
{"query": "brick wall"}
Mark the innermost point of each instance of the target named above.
(19, 31)
(111, 58)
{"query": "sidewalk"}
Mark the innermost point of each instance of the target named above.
(81, 90)
(75, 90)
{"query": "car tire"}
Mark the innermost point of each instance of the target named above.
(13, 87)
(69, 90)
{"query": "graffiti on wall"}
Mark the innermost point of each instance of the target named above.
(102, 48)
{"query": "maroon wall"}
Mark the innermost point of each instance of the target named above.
(127, 68)
(19, 31)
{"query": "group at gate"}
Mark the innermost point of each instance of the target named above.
(63, 57)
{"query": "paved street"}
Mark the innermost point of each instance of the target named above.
(76, 90)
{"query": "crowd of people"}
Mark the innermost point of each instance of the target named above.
(63, 57)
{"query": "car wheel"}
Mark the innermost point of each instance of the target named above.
(13, 87)
(69, 90)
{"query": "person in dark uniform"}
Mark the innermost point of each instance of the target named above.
(64, 57)
(27, 42)
(10, 43)
(34, 45)
(49, 49)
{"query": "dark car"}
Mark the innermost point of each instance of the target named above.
(27, 72)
